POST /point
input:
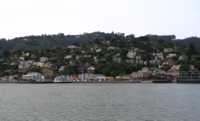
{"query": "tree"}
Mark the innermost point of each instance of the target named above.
(185, 67)
(69, 70)
(191, 51)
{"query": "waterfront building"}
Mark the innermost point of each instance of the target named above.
(189, 77)
(34, 76)
(145, 73)
(62, 78)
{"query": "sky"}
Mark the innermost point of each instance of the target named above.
(138, 17)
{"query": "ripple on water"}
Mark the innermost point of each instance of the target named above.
(101, 102)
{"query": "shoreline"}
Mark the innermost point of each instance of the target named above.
(145, 82)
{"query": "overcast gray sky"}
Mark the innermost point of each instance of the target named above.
(139, 17)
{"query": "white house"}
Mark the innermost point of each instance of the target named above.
(98, 50)
(95, 59)
(72, 47)
(91, 69)
(168, 50)
(159, 56)
(68, 57)
(38, 64)
(111, 48)
(131, 54)
(100, 78)
(171, 55)
(21, 58)
(34, 76)
(43, 59)
(88, 77)
(182, 58)
(61, 78)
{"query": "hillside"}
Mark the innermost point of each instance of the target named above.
(111, 54)
(61, 40)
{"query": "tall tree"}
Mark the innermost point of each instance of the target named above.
(191, 51)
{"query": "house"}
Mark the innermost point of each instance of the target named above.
(91, 69)
(48, 72)
(88, 77)
(116, 58)
(62, 68)
(73, 78)
(157, 71)
(21, 58)
(87, 56)
(43, 59)
(131, 54)
(193, 68)
(9, 79)
(24, 65)
(95, 59)
(145, 62)
(169, 61)
(138, 60)
(174, 72)
(182, 58)
(34, 76)
(68, 57)
(38, 64)
(168, 50)
(98, 50)
(158, 56)
(62, 78)
(83, 51)
(123, 78)
(72, 47)
(77, 57)
(110, 78)
(138, 57)
(155, 61)
(84, 77)
(111, 48)
(42, 65)
(131, 61)
(59, 79)
(172, 55)
(47, 65)
(144, 73)
(134, 75)
(26, 54)
(100, 78)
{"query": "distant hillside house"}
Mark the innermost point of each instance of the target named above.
(72, 47)
(131, 54)
(168, 50)
(43, 59)
(172, 55)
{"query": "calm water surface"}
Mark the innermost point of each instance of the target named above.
(99, 102)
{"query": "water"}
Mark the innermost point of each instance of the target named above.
(99, 102)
